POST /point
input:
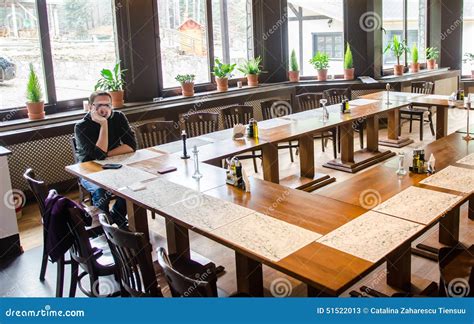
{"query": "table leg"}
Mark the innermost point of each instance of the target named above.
(449, 228)
(137, 219)
(178, 240)
(347, 143)
(373, 133)
(270, 163)
(393, 128)
(470, 207)
(399, 267)
(441, 122)
(306, 149)
(249, 275)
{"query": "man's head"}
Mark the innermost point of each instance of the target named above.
(102, 102)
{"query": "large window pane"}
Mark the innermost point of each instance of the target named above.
(183, 40)
(83, 42)
(19, 46)
(416, 22)
(392, 25)
(232, 21)
(322, 30)
(468, 31)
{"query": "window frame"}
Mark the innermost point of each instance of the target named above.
(333, 35)
(52, 105)
(198, 87)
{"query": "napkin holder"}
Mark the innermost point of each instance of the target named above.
(238, 132)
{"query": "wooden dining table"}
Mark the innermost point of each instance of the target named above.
(327, 242)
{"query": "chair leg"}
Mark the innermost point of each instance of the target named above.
(291, 152)
(334, 144)
(430, 118)
(411, 122)
(153, 215)
(254, 162)
(44, 264)
(322, 142)
(421, 127)
(74, 277)
(60, 278)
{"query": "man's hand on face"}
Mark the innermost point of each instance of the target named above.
(96, 117)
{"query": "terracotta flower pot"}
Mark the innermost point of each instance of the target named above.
(188, 89)
(398, 69)
(35, 110)
(415, 67)
(431, 64)
(322, 74)
(349, 74)
(117, 98)
(294, 76)
(222, 84)
(252, 80)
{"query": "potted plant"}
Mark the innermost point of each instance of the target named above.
(34, 95)
(432, 54)
(469, 58)
(252, 69)
(414, 66)
(112, 81)
(398, 49)
(187, 84)
(222, 72)
(320, 61)
(348, 64)
(294, 72)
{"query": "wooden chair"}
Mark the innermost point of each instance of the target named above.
(40, 192)
(336, 96)
(418, 113)
(155, 133)
(84, 195)
(456, 265)
(240, 114)
(131, 252)
(95, 262)
(200, 123)
(309, 101)
(275, 108)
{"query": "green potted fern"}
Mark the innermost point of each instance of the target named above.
(294, 72)
(398, 48)
(112, 81)
(348, 64)
(222, 72)
(252, 68)
(432, 54)
(34, 96)
(414, 65)
(320, 61)
(187, 84)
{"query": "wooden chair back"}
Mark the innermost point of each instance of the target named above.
(308, 101)
(275, 108)
(336, 96)
(423, 87)
(156, 133)
(238, 114)
(200, 123)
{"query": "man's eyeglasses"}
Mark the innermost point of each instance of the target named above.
(97, 106)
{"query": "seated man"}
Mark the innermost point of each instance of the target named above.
(104, 132)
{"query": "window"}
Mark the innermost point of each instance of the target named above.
(183, 40)
(19, 46)
(233, 36)
(394, 24)
(316, 25)
(468, 31)
(82, 43)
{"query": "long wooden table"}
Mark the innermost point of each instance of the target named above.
(300, 234)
